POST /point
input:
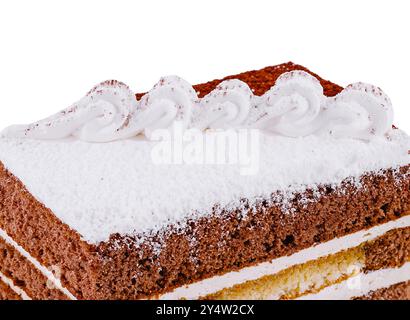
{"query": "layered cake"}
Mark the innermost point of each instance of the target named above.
(128, 196)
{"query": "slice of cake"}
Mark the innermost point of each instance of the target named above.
(270, 184)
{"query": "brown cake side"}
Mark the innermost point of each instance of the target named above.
(397, 241)
(120, 269)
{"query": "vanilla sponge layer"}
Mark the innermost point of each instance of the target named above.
(317, 275)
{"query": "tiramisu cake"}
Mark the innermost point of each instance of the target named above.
(125, 196)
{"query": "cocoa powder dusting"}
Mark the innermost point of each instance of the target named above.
(262, 80)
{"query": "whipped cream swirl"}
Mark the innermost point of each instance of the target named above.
(295, 107)
(360, 111)
(104, 114)
(171, 99)
(292, 107)
(225, 107)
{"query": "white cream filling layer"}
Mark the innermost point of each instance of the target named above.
(362, 284)
(214, 284)
(13, 287)
(46, 272)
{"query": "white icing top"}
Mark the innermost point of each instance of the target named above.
(103, 188)
(295, 107)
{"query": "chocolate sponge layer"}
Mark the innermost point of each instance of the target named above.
(25, 275)
(399, 291)
(391, 250)
(6, 293)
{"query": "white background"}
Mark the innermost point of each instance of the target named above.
(53, 52)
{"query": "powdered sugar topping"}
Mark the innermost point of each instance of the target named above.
(100, 189)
